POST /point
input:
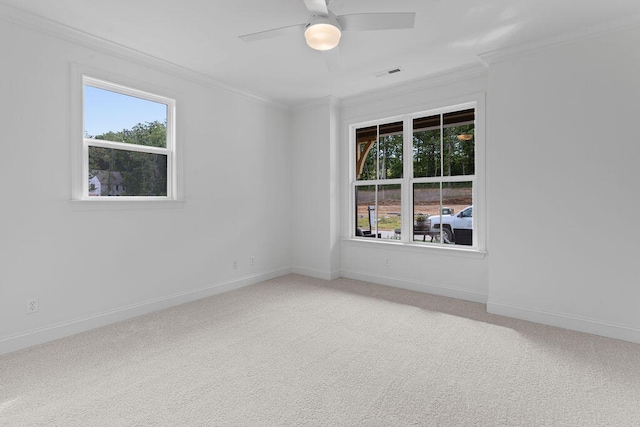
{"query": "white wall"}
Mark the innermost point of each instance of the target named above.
(563, 189)
(262, 182)
(236, 157)
(316, 190)
(433, 270)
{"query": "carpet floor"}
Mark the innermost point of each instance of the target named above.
(302, 351)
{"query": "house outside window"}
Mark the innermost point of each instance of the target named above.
(415, 178)
(128, 149)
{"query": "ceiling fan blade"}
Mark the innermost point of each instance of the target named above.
(377, 21)
(277, 32)
(332, 59)
(317, 7)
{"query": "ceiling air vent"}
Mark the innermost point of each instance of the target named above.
(388, 72)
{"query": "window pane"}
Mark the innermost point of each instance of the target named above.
(457, 198)
(457, 195)
(116, 117)
(426, 147)
(390, 151)
(365, 211)
(426, 203)
(458, 143)
(378, 211)
(450, 221)
(388, 213)
(366, 152)
(126, 173)
(379, 152)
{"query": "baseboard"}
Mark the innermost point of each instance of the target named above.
(316, 274)
(72, 327)
(574, 323)
(418, 286)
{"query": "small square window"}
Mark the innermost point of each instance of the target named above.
(128, 143)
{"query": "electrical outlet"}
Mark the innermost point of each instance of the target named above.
(235, 264)
(32, 305)
(253, 260)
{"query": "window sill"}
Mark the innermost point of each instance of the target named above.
(105, 204)
(397, 245)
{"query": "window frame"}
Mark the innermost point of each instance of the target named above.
(407, 182)
(80, 187)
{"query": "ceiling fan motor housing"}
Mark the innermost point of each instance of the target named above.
(323, 31)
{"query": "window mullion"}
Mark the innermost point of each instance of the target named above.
(441, 160)
(377, 186)
(377, 148)
(125, 146)
(407, 187)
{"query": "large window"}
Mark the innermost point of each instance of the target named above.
(128, 143)
(414, 178)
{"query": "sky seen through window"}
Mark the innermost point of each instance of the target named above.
(106, 111)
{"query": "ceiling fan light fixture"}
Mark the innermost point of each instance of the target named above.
(322, 36)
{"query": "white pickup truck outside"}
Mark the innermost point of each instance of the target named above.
(463, 220)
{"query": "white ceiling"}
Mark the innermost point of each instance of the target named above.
(202, 35)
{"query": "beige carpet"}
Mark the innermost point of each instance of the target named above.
(300, 351)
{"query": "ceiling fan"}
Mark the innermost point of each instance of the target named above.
(323, 29)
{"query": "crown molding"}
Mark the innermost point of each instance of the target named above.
(504, 54)
(68, 34)
(450, 76)
(326, 101)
